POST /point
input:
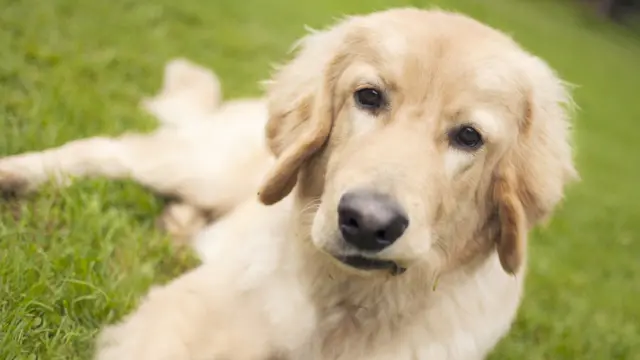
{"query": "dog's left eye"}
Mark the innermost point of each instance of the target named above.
(369, 98)
(466, 137)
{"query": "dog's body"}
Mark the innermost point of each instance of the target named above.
(407, 155)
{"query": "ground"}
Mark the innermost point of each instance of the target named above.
(73, 260)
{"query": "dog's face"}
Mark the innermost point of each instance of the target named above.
(426, 135)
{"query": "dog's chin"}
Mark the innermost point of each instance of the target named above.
(367, 264)
(350, 259)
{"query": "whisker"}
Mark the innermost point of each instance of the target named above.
(312, 205)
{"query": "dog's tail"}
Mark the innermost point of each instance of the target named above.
(190, 93)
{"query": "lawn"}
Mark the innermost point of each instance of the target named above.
(72, 260)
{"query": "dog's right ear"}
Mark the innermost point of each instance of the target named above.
(300, 113)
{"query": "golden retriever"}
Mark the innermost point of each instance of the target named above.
(413, 152)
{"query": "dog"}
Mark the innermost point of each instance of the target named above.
(407, 155)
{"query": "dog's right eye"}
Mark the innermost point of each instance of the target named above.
(467, 138)
(369, 98)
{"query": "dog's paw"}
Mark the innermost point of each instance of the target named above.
(12, 184)
(181, 74)
(189, 93)
(24, 173)
(182, 222)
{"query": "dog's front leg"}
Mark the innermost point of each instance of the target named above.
(150, 159)
(159, 329)
(97, 156)
(191, 318)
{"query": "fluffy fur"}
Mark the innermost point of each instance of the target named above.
(270, 287)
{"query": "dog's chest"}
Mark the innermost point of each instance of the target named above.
(392, 320)
(387, 327)
(348, 331)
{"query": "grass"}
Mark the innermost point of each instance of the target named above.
(71, 260)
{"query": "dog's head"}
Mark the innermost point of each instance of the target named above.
(418, 136)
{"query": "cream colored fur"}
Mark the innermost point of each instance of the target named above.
(270, 287)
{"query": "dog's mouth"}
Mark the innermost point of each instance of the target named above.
(364, 263)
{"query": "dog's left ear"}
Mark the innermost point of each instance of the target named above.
(530, 180)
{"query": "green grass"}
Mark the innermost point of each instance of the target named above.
(72, 260)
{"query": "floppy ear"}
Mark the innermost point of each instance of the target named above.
(511, 240)
(300, 112)
(531, 179)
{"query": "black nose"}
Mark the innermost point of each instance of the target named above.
(370, 221)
